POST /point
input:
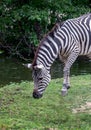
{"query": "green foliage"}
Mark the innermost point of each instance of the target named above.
(81, 2)
(23, 23)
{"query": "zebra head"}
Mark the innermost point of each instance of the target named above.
(41, 78)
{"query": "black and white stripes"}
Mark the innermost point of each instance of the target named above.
(68, 41)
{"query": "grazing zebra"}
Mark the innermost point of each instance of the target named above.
(67, 40)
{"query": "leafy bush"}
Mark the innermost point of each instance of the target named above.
(23, 23)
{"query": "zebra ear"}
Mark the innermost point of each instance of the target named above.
(28, 65)
(38, 66)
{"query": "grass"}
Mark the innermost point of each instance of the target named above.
(19, 111)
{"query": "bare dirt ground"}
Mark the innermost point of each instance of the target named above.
(86, 108)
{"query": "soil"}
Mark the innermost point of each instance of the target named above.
(83, 108)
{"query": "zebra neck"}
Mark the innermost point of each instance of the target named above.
(44, 64)
(47, 53)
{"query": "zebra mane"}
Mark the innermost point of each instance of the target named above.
(50, 33)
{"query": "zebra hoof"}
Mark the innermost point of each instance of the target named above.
(68, 87)
(64, 91)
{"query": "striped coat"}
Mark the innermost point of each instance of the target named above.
(67, 41)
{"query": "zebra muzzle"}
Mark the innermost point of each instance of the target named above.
(37, 95)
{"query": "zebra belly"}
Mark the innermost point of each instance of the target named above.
(87, 52)
(85, 46)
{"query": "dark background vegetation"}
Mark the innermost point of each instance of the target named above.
(24, 22)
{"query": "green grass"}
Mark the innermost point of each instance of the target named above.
(19, 111)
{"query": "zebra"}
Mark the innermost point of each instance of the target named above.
(66, 41)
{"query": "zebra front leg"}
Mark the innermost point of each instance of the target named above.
(70, 60)
(66, 82)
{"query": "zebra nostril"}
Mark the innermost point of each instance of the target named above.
(37, 95)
